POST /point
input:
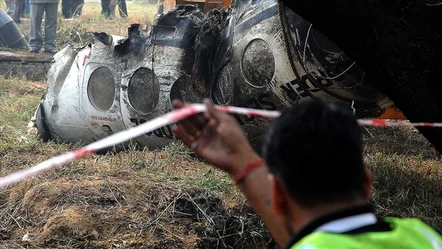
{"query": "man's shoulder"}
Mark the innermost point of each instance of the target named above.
(405, 233)
(409, 225)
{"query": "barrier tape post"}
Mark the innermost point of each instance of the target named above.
(159, 122)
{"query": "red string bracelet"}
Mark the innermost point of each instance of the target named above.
(239, 178)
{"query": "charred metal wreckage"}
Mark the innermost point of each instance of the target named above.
(256, 54)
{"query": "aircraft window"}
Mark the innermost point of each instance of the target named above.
(258, 63)
(144, 90)
(101, 88)
(180, 87)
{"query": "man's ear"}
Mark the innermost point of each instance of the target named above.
(278, 195)
(367, 184)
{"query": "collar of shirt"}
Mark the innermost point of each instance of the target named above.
(353, 220)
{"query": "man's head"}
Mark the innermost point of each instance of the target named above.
(315, 150)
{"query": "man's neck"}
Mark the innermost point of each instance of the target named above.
(301, 216)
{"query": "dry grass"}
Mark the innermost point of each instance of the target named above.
(407, 174)
(133, 199)
(78, 31)
(168, 198)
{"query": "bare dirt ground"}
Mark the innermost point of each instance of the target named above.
(166, 198)
(105, 202)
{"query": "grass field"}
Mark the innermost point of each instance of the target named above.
(78, 30)
(166, 198)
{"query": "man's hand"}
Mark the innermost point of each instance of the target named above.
(217, 137)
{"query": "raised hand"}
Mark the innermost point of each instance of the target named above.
(217, 137)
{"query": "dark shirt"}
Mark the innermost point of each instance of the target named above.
(377, 226)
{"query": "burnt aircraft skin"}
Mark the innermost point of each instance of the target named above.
(117, 83)
(242, 56)
(250, 64)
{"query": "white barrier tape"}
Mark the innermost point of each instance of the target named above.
(385, 123)
(112, 140)
(159, 122)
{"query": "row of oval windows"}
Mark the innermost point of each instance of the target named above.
(257, 67)
(143, 89)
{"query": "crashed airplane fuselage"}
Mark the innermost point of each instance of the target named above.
(257, 54)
